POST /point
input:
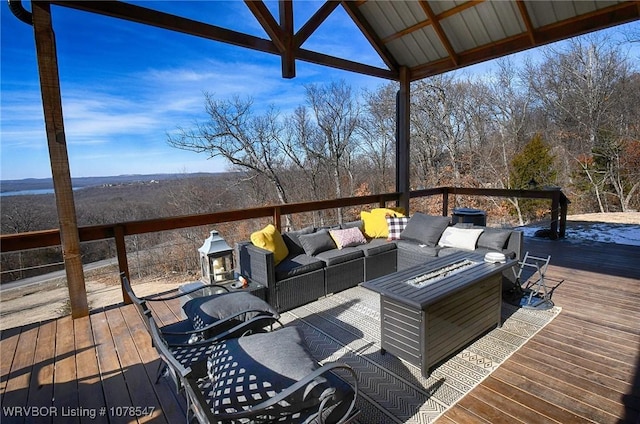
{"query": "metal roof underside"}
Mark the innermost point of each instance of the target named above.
(426, 37)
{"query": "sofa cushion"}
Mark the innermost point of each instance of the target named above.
(291, 239)
(375, 226)
(425, 229)
(376, 246)
(347, 237)
(417, 249)
(254, 368)
(297, 265)
(358, 224)
(462, 238)
(317, 242)
(336, 256)
(493, 238)
(205, 310)
(396, 225)
(269, 238)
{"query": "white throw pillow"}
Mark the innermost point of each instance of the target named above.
(462, 238)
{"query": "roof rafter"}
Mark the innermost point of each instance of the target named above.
(435, 23)
(315, 21)
(352, 10)
(599, 19)
(142, 15)
(268, 22)
(524, 13)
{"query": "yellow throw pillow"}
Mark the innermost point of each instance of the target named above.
(269, 238)
(375, 225)
(392, 212)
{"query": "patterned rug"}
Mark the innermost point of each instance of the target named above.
(346, 327)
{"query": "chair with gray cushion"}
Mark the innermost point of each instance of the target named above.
(261, 378)
(211, 319)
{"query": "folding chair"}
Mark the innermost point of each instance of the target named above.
(535, 294)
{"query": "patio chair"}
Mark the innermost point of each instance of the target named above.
(210, 319)
(259, 378)
(534, 294)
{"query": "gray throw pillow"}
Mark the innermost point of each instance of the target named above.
(425, 229)
(495, 239)
(317, 242)
(291, 239)
(358, 224)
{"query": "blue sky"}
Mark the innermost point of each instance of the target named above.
(125, 86)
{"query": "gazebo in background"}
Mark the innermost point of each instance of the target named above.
(415, 40)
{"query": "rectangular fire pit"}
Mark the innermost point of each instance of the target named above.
(429, 312)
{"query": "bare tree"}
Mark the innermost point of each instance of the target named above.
(579, 90)
(337, 114)
(378, 135)
(248, 141)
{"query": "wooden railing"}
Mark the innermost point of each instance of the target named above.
(118, 231)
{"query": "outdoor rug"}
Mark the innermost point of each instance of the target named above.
(346, 327)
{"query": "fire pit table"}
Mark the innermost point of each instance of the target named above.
(429, 312)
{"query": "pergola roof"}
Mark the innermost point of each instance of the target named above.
(415, 39)
(426, 37)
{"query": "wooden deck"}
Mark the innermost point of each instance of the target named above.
(583, 367)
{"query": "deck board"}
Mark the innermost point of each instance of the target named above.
(585, 365)
(582, 367)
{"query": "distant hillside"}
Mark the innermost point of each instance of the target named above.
(27, 184)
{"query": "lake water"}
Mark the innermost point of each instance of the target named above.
(28, 192)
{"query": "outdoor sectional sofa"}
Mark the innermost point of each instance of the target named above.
(315, 266)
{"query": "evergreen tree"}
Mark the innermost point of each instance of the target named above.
(533, 168)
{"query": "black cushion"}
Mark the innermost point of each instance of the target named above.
(206, 310)
(425, 229)
(251, 369)
(291, 239)
(317, 242)
(493, 238)
(292, 266)
(335, 256)
(416, 249)
(357, 224)
(376, 246)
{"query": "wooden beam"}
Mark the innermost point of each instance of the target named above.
(54, 124)
(142, 15)
(440, 16)
(524, 14)
(187, 26)
(403, 142)
(286, 25)
(268, 22)
(346, 65)
(315, 21)
(435, 22)
(603, 18)
(370, 34)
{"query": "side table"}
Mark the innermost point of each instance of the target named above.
(254, 288)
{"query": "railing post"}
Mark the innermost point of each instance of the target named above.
(277, 218)
(555, 211)
(564, 204)
(445, 201)
(123, 264)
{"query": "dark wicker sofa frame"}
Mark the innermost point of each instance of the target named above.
(257, 264)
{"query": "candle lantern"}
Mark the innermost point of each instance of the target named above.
(216, 259)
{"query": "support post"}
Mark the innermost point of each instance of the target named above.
(403, 112)
(555, 212)
(52, 106)
(123, 262)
